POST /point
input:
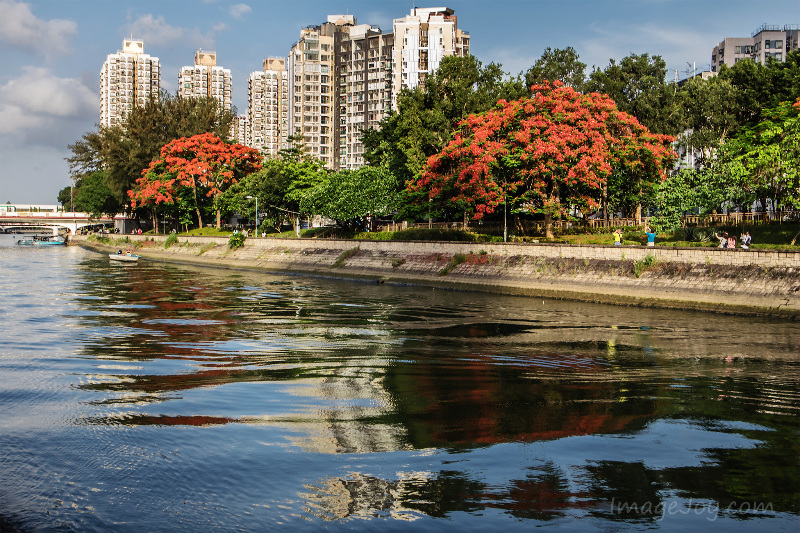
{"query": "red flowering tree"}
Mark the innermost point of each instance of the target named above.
(548, 154)
(191, 168)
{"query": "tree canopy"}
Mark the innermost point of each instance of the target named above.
(558, 65)
(350, 196)
(202, 166)
(123, 151)
(550, 153)
(427, 114)
(638, 86)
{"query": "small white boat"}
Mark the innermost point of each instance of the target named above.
(124, 257)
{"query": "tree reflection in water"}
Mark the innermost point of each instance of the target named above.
(384, 372)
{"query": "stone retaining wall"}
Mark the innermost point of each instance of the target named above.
(732, 281)
(712, 256)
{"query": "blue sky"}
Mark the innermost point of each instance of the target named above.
(52, 51)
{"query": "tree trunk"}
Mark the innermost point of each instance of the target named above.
(219, 219)
(548, 226)
(197, 208)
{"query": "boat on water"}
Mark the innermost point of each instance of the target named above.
(49, 241)
(39, 240)
(125, 258)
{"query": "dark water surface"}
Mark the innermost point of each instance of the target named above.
(150, 397)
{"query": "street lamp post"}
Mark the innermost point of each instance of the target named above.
(256, 198)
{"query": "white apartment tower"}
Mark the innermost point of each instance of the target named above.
(312, 93)
(205, 79)
(267, 120)
(421, 39)
(241, 130)
(128, 78)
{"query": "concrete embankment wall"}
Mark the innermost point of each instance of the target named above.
(731, 281)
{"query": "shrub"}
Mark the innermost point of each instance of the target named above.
(236, 240)
(639, 267)
(424, 234)
(172, 239)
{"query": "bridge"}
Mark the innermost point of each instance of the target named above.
(50, 220)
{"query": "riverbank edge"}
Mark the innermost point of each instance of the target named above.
(750, 284)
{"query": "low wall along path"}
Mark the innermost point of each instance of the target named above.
(759, 282)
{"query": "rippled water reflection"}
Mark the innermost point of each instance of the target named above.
(150, 397)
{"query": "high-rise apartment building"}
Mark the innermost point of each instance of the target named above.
(344, 78)
(312, 103)
(363, 86)
(267, 121)
(766, 41)
(205, 78)
(128, 78)
(241, 130)
(421, 39)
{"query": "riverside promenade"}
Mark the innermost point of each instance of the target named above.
(750, 282)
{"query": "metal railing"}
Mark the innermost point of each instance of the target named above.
(538, 226)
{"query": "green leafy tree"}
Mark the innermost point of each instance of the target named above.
(637, 84)
(350, 196)
(94, 196)
(66, 196)
(760, 86)
(558, 65)
(674, 197)
(710, 116)
(763, 160)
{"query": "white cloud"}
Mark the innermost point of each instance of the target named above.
(239, 10)
(41, 108)
(21, 28)
(155, 30)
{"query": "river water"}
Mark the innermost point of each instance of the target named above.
(152, 397)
